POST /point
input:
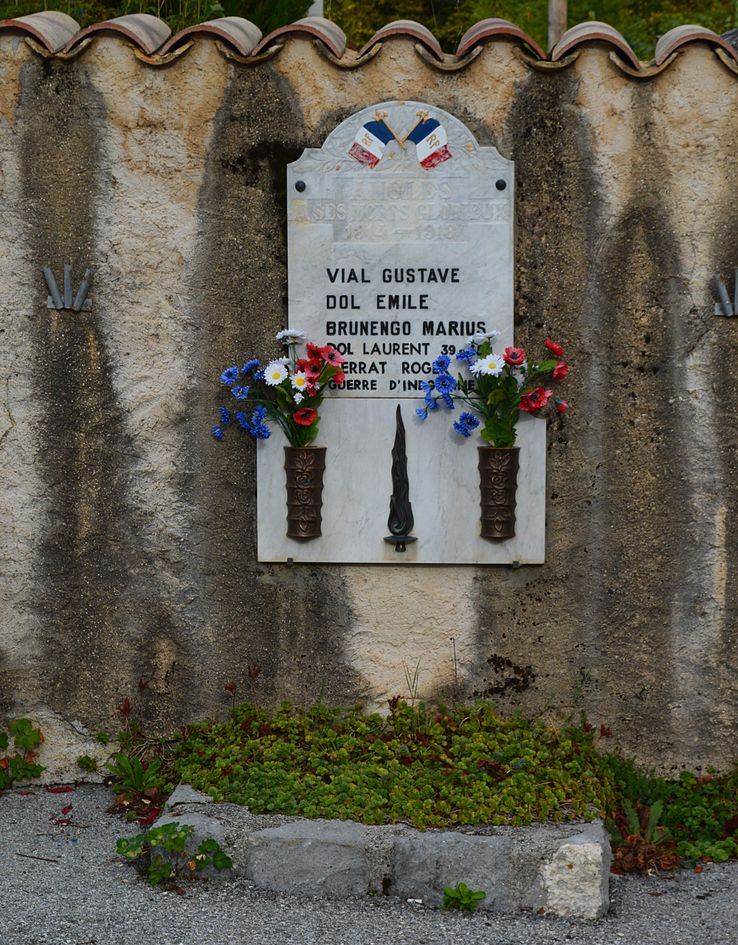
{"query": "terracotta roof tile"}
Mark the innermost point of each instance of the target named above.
(495, 27)
(51, 28)
(681, 35)
(146, 32)
(52, 33)
(593, 31)
(324, 30)
(409, 29)
(243, 35)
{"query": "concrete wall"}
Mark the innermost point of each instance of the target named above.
(127, 548)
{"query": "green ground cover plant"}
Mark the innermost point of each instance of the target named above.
(18, 744)
(445, 767)
(161, 853)
(462, 898)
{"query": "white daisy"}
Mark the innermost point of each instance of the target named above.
(491, 365)
(481, 336)
(274, 373)
(290, 336)
(299, 380)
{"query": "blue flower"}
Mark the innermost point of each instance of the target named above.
(217, 432)
(422, 412)
(431, 404)
(225, 416)
(448, 400)
(229, 376)
(467, 354)
(261, 432)
(243, 421)
(444, 384)
(258, 375)
(258, 415)
(466, 423)
(440, 365)
(250, 365)
(240, 393)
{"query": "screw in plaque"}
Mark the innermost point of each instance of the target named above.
(400, 521)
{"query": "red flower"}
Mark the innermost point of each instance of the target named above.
(339, 377)
(514, 356)
(561, 406)
(535, 400)
(305, 417)
(332, 356)
(301, 364)
(555, 348)
(313, 369)
(560, 371)
(314, 352)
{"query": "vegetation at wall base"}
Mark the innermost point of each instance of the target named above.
(452, 766)
(162, 855)
(18, 744)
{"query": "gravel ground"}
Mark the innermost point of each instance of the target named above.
(84, 896)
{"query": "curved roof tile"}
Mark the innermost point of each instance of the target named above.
(243, 35)
(593, 31)
(146, 32)
(411, 30)
(680, 35)
(52, 33)
(487, 29)
(51, 28)
(324, 30)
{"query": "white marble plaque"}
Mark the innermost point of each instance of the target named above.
(393, 263)
(400, 246)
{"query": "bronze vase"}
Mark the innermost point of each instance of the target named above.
(304, 467)
(498, 478)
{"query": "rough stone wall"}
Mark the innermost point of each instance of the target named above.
(127, 551)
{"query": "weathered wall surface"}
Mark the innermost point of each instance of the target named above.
(127, 550)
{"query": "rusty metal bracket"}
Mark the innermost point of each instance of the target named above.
(67, 302)
(724, 306)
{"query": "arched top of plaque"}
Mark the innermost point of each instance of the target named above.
(398, 139)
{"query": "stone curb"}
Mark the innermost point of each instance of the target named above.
(557, 869)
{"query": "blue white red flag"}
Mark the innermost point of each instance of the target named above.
(370, 141)
(431, 142)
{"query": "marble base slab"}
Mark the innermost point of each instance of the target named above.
(444, 491)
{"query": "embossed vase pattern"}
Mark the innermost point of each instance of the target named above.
(304, 468)
(498, 478)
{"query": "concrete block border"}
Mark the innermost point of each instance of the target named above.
(556, 869)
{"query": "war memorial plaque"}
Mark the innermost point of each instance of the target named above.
(400, 247)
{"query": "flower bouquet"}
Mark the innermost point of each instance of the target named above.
(496, 389)
(289, 392)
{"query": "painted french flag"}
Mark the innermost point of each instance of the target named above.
(431, 142)
(370, 141)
